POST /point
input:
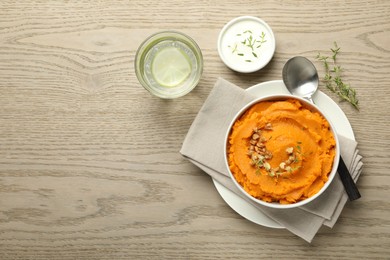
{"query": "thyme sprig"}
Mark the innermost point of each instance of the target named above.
(333, 80)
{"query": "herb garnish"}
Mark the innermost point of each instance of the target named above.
(250, 42)
(333, 80)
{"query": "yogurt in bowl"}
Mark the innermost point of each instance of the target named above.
(246, 44)
(281, 151)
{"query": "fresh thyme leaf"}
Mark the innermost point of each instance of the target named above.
(333, 80)
(240, 54)
(248, 60)
(250, 42)
(335, 51)
(295, 168)
(254, 54)
(234, 49)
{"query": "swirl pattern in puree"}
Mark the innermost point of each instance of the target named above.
(299, 148)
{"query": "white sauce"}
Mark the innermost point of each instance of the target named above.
(237, 37)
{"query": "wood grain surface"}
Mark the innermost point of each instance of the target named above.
(89, 160)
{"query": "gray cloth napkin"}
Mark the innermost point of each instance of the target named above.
(204, 143)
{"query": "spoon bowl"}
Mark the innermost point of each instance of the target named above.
(300, 77)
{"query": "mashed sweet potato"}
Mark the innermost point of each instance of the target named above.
(280, 151)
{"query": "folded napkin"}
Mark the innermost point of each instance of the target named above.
(204, 145)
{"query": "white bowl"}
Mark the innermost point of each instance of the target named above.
(234, 43)
(331, 175)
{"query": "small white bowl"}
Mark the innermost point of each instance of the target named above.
(331, 175)
(246, 44)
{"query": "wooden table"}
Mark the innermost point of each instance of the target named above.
(89, 160)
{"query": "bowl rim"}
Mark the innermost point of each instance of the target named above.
(237, 20)
(306, 103)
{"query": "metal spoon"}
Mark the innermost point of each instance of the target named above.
(301, 79)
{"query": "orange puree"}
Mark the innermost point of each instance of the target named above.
(300, 147)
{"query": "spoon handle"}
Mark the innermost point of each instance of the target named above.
(346, 179)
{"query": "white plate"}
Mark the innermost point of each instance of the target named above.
(326, 104)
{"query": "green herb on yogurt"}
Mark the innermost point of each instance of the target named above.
(262, 40)
(234, 48)
(333, 80)
(248, 45)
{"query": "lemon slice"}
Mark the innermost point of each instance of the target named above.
(170, 67)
